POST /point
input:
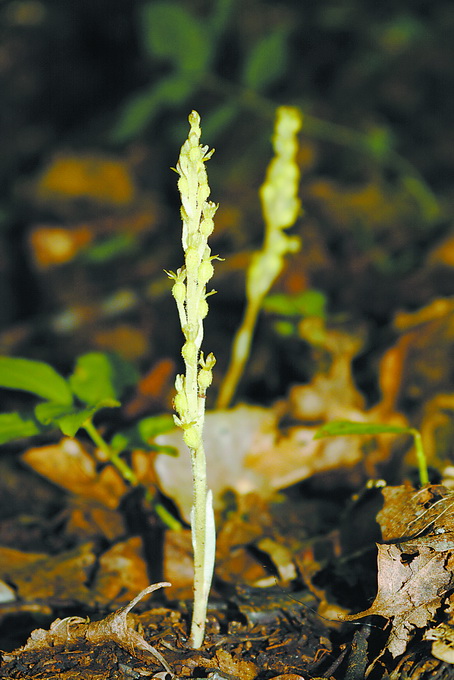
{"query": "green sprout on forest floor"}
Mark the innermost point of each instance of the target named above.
(338, 428)
(69, 405)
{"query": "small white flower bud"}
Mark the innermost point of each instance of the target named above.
(189, 352)
(204, 379)
(203, 308)
(179, 291)
(180, 403)
(203, 193)
(205, 272)
(209, 210)
(206, 226)
(192, 258)
(183, 186)
(191, 437)
(209, 362)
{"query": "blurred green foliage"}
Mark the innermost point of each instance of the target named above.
(189, 44)
(98, 381)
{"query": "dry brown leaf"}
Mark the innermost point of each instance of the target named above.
(228, 436)
(74, 630)
(408, 514)
(178, 565)
(332, 394)
(442, 635)
(91, 177)
(415, 567)
(69, 465)
(443, 253)
(56, 578)
(428, 339)
(412, 580)
(125, 339)
(88, 519)
(442, 638)
(122, 572)
(52, 246)
(229, 664)
(152, 389)
(247, 452)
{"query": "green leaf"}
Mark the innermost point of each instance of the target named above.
(345, 427)
(421, 192)
(171, 32)
(285, 329)
(36, 377)
(111, 248)
(221, 11)
(141, 109)
(48, 412)
(267, 60)
(143, 432)
(380, 141)
(98, 376)
(155, 425)
(15, 426)
(216, 121)
(307, 303)
(69, 419)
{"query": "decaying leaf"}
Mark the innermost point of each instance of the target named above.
(442, 638)
(427, 336)
(247, 451)
(125, 339)
(93, 510)
(416, 565)
(408, 514)
(52, 246)
(38, 576)
(122, 572)
(93, 177)
(69, 465)
(74, 630)
(412, 580)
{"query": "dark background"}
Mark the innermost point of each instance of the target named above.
(96, 79)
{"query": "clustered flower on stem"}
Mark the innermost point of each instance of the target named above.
(189, 291)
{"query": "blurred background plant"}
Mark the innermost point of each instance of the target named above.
(95, 96)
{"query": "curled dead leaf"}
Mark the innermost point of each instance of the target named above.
(115, 627)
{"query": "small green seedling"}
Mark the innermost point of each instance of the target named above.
(339, 428)
(69, 405)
